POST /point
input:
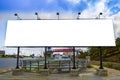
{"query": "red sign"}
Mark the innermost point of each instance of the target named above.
(63, 50)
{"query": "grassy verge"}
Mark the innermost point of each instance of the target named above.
(108, 64)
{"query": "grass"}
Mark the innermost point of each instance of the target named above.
(111, 65)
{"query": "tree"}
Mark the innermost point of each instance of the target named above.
(118, 42)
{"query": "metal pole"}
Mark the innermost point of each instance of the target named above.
(100, 55)
(88, 51)
(30, 65)
(74, 67)
(38, 64)
(18, 51)
(45, 66)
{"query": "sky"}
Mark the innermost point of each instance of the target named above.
(47, 9)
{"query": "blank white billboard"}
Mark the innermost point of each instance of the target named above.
(60, 33)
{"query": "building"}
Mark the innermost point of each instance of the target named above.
(60, 56)
(2, 52)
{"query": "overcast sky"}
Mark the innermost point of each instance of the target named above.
(68, 10)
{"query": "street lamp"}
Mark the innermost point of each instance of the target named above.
(79, 13)
(37, 16)
(57, 15)
(18, 18)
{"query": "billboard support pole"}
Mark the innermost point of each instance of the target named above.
(100, 56)
(18, 51)
(74, 67)
(45, 66)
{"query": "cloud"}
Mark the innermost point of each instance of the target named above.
(74, 1)
(113, 6)
(49, 1)
(116, 20)
(68, 10)
(94, 9)
(2, 32)
(100, 6)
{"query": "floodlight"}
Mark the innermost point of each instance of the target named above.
(57, 15)
(37, 16)
(79, 13)
(18, 18)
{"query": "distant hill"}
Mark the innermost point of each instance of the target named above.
(110, 54)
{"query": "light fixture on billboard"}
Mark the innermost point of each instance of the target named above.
(18, 18)
(38, 18)
(79, 13)
(58, 15)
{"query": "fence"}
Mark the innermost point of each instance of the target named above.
(31, 64)
(53, 65)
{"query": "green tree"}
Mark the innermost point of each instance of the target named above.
(118, 42)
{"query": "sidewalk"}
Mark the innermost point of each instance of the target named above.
(112, 74)
(88, 74)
